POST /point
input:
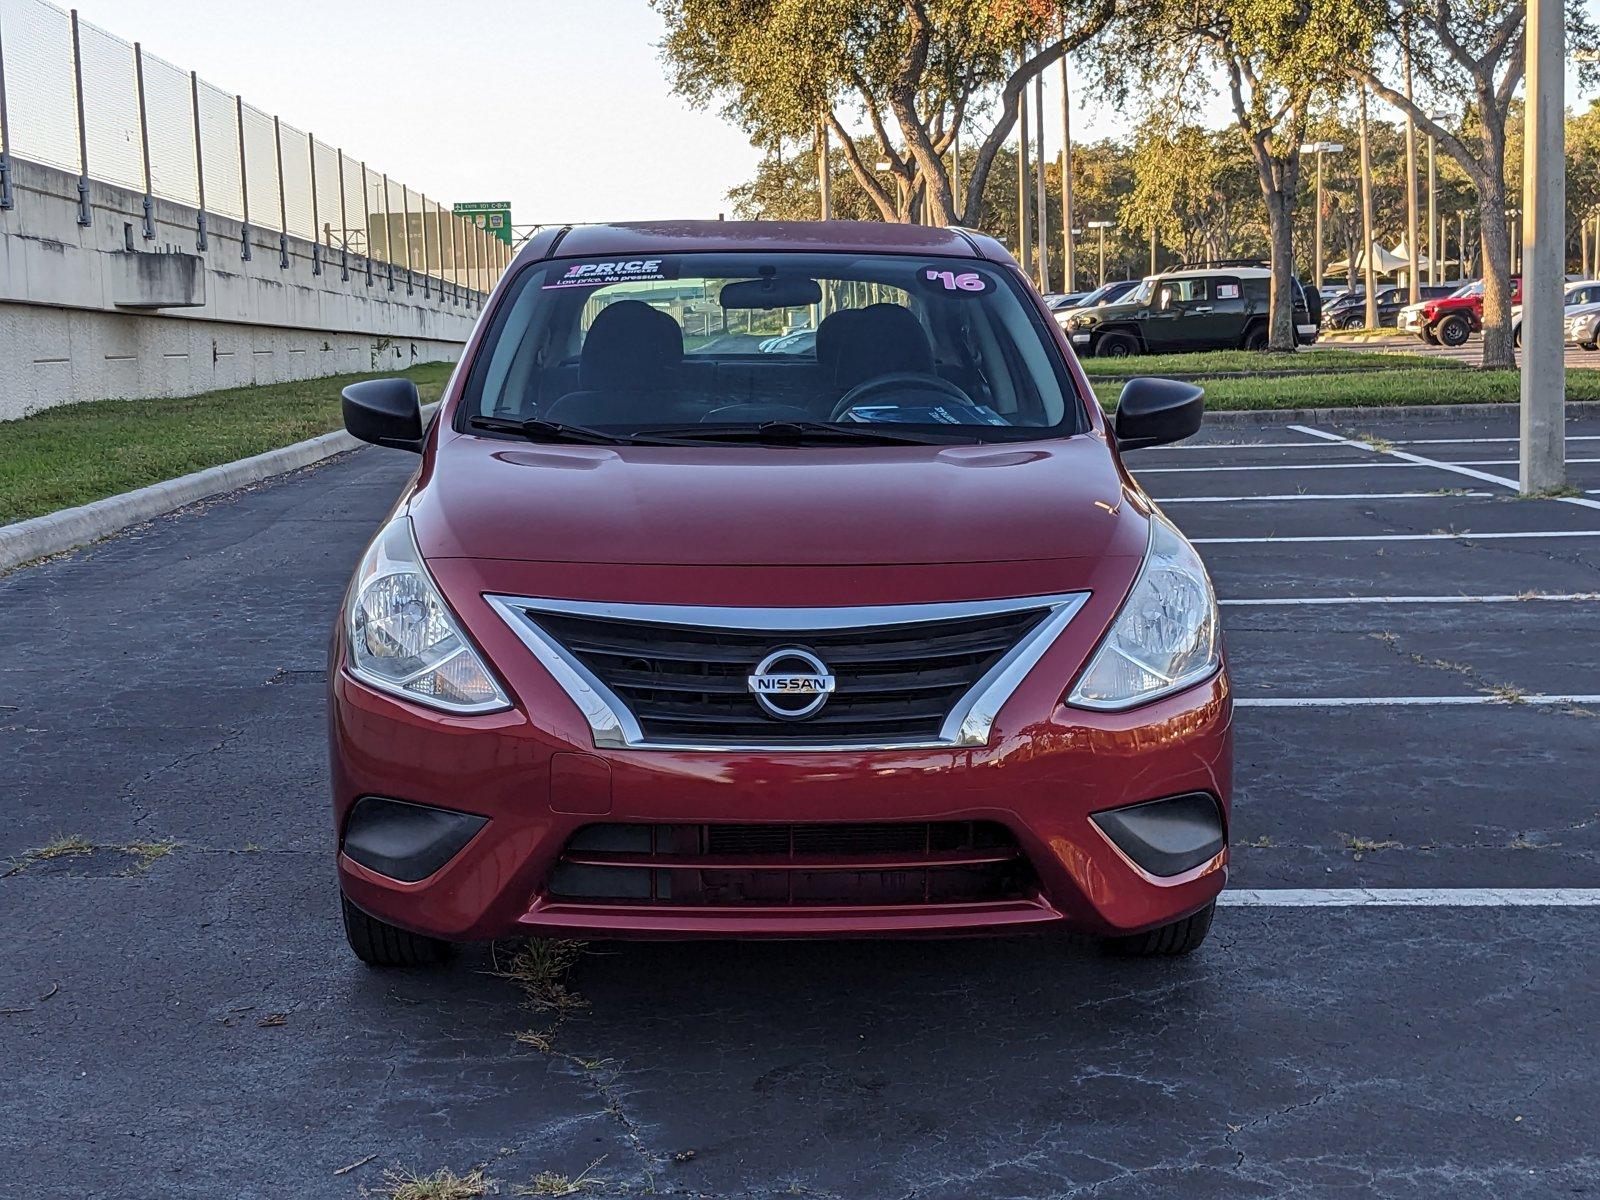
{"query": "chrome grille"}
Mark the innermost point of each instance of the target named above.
(905, 676)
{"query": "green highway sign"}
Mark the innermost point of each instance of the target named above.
(493, 215)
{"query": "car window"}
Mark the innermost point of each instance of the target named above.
(1227, 291)
(1176, 292)
(947, 345)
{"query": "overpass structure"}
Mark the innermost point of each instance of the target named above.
(159, 236)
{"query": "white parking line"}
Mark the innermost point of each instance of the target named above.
(1410, 898)
(1399, 537)
(1412, 460)
(1458, 468)
(1485, 441)
(1405, 701)
(1506, 598)
(1320, 496)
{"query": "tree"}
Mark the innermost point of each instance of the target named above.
(932, 68)
(1196, 187)
(1474, 57)
(1278, 58)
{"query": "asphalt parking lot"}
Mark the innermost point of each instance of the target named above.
(1399, 1001)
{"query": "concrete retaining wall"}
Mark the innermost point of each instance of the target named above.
(84, 317)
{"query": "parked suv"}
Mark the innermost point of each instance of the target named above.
(1219, 306)
(669, 640)
(1450, 321)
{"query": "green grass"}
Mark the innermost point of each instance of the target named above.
(1418, 385)
(81, 452)
(1253, 360)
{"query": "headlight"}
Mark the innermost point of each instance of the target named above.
(1165, 637)
(403, 640)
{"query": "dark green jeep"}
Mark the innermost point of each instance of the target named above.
(1199, 306)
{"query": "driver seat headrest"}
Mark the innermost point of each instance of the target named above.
(881, 339)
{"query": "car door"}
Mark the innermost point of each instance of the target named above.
(1219, 324)
(1170, 325)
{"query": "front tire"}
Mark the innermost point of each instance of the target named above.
(1428, 336)
(1166, 941)
(380, 944)
(1116, 345)
(1454, 331)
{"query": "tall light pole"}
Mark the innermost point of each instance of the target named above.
(1069, 268)
(1370, 278)
(1435, 229)
(1413, 284)
(824, 184)
(1319, 149)
(1043, 215)
(1102, 226)
(1024, 226)
(1542, 442)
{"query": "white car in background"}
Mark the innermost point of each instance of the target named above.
(1581, 299)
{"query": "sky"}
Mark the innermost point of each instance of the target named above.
(560, 106)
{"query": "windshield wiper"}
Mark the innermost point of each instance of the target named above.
(789, 432)
(536, 430)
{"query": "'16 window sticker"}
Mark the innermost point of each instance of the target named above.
(948, 281)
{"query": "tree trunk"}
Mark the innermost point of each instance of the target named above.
(1280, 224)
(1495, 249)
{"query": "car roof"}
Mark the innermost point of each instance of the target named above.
(1231, 272)
(683, 237)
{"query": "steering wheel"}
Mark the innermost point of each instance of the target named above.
(898, 381)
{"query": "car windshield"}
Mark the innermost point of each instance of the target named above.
(1467, 289)
(698, 347)
(1102, 294)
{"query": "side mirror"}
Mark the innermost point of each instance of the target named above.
(385, 412)
(1153, 412)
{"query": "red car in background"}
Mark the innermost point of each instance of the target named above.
(671, 637)
(1452, 319)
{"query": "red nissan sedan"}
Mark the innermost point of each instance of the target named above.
(775, 580)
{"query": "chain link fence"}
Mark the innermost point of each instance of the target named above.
(75, 97)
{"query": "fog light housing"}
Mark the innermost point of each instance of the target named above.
(1169, 836)
(405, 841)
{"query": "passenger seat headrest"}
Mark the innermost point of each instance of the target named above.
(629, 346)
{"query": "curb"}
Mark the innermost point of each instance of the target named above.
(53, 533)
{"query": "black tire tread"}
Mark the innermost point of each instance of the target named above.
(1166, 941)
(379, 944)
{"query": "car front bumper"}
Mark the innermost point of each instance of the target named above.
(534, 791)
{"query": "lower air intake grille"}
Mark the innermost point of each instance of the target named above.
(950, 862)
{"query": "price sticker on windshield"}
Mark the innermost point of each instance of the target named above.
(953, 283)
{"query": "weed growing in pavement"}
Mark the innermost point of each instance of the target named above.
(77, 846)
(1507, 693)
(1556, 493)
(1363, 846)
(540, 969)
(1523, 842)
(548, 1183)
(443, 1184)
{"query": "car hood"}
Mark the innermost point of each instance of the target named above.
(484, 498)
